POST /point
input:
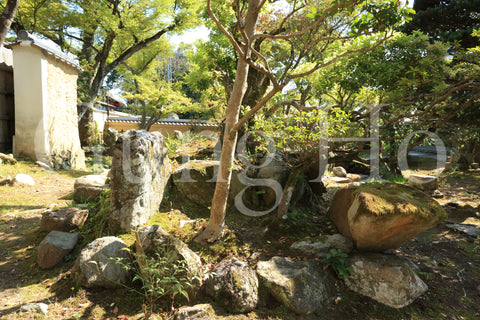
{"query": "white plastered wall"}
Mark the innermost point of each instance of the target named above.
(30, 139)
(46, 120)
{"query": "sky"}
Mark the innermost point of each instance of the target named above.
(190, 36)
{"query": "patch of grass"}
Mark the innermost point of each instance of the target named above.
(192, 145)
(99, 211)
(228, 246)
(396, 178)
(49, 188)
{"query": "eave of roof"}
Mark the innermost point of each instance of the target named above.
(24, 38)
(181, 122)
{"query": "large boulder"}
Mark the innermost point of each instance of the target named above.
(88, 188)
(65, 219)
(54, 247)
(302, 286)
(153, 239)
(388, 279)
(139, 175)
(234, 285)
(378, 216)
(195, 181)
(96, 265)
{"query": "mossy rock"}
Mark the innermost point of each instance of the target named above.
(378, 216)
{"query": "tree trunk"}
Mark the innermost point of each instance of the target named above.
(288, 191)
(220, 197)
(7, 18)
(219, 203)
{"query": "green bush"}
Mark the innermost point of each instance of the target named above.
(162, 275)
(337, 260)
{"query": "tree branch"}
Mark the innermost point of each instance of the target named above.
(319, 20)
(257, 107)
(224, 31)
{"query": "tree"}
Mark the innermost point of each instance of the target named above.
(152, 85)
(418, 86)
(104, 34)
(299, 40)
(447, 20)
(7, 18)
(402, 74)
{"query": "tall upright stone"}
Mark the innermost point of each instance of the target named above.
(139, 175)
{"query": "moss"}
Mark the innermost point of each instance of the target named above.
(396, 199)
(99, 211)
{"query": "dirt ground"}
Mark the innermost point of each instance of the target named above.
(448, 260)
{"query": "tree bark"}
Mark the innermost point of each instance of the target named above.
(219, 203)
(105, 68)
(288, 191)
(7, 18)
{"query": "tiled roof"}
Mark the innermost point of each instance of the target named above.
(181, 122)
(25, 38)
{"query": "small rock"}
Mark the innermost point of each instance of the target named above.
(89, 187)
(472, 221)
(105, 171)
(194, 181)
(340, 180)
(339, 172)
(422, 182)
(54, 247)
(8, 159)
(320, 248)
(35, 308)
(467, 229)
(23, 179)
(43, 165)
(355, 184)
(234, 285)
(197, 312)
(474, 165)
(5, 181)
(437, 194)
(110, 137)
(354, 177)
(65, 219)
